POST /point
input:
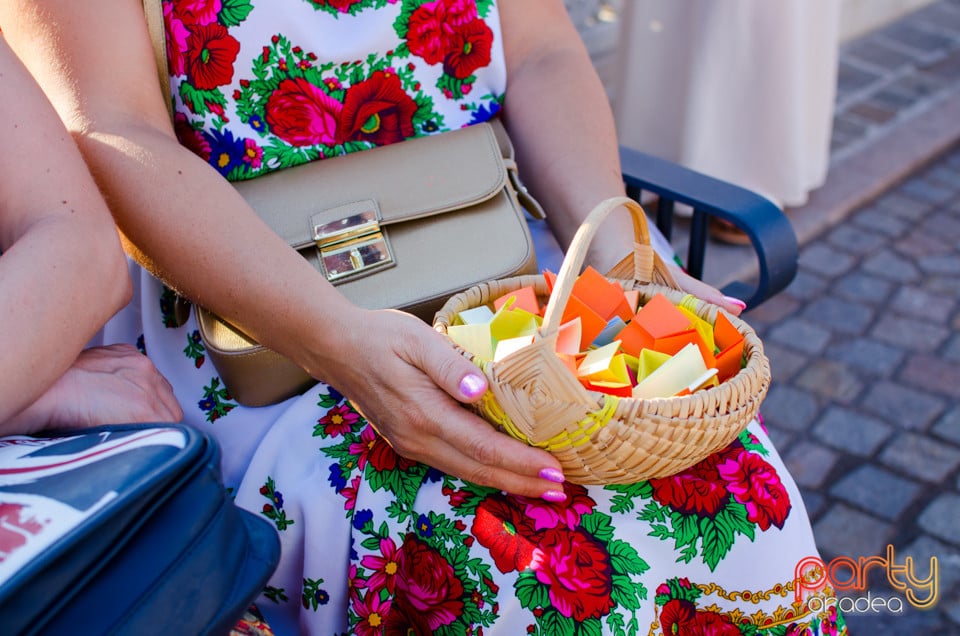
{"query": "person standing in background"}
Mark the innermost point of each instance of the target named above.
(740, 90)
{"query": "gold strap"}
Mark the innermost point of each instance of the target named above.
(153, 11)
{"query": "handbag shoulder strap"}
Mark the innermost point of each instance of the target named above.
(153, 12)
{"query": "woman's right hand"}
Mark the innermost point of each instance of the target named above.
(409, 383)
(112, 384)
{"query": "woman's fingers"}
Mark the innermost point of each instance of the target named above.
(706, 292)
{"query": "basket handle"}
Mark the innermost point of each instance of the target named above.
(646, 262)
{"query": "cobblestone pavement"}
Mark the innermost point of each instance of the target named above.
(865, 343)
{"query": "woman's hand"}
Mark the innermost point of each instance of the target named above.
(409, 383)
(105, 385)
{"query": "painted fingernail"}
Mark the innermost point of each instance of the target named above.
(735, 301)
(552, 474)
(473, 385)
(554, 496)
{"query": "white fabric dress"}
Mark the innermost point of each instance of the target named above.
(376, 544)
(739, 89)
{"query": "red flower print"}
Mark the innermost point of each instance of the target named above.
(176, 38)
(197, 11)
(429, 595)
(567, 513)
(350, 493)
(253, 154)
(697, 490)
(504, 530)
(384, 567)
(754, 483)
(428, 32)
(377, 110)
(211, 52)
(361, 449)
(576, 567)
(461, 11)
(340, 5)
(383, 458)
(371, 611)
(191, 138)
(712, 624)
(677, 617)
(340, 419)
(302, 114)
(470, 47)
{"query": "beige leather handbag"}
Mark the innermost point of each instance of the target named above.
(402, 226)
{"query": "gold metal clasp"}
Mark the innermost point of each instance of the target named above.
(352, 246)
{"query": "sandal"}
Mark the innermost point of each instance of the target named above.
(727, 232)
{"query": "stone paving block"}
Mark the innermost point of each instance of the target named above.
(916, 37)
(904, 407)
(909, 333)
(925, 548)
(948, 426)
(881, 221)
(801, 335)
(844, 531)
(943, 175)
(939, 518)
(772, 310)
(942, 225)
(888, 264)
(879, 56)
(838, 315)
(866, 354)
(902, 206)
(921, 457)
(922, 189)
(946, 69)
(814, 502)
(851, 431)
(952, 350)
(911, 621)
(876, 491)
(932, 374)
(944, 284)
(892, 97)
(784, 363)
(852, 78)
(789, 408)
(940, 264)
(938, 15)
(872, 113)
(846, 124)
(806, 285)
(920, 303)
(809, 463)
(856, 240)
(831, 380)
(825, 260)
(920, 244)
(860, 286)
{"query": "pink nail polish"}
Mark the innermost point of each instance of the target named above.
(473, 385)
(552, 474)
(554, 496)
(735, 301)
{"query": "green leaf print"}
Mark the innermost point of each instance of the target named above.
(313, 595)
(625, 559)
(654, 513)
(483, 7)
(599, 525)
(717, 539)
(233, 12)
(553, 623)
(628, 494)
(275, 594)
(216, 401)
(626, 593)
(751, 443)
(530, 592)
(198, 100)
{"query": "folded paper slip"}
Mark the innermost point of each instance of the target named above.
(601, 438)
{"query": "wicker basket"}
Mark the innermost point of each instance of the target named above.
(600, 438)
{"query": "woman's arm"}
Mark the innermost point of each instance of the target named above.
(62, 272)
(188, 224)
(560, 121)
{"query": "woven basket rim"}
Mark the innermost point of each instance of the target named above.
(754, 358)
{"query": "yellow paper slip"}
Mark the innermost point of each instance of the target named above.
(674, 375)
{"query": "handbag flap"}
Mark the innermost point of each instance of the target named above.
(416, 178)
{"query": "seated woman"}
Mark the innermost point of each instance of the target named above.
(431, 522)
(62, 276)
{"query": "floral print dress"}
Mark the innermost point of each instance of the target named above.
(377, 544)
